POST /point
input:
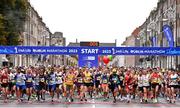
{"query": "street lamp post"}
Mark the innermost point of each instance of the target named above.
(27, 43)
(152, 27)
(142, 38)
(44, 36)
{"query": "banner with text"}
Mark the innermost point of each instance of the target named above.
(89, 50)
(88, 61)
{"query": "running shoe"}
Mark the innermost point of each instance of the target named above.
(145, 100)
(141, 100)
(69, 100)
(155, 100)
(5, 101)
(173, 101)
(72, 99)
(105, 99)
(114, 101)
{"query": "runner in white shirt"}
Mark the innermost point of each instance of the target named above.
(59, 82)
(146, 84)
(173, 83)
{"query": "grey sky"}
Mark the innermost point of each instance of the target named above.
(94, 20)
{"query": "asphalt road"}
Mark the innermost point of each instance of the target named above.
(91, 103)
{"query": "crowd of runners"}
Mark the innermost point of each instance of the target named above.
(119, 83)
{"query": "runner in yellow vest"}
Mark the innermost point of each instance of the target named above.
(69, 83)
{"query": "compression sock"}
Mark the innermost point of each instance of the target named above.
(128, 96)
(38, 96)
(41, 96)
(29, 97)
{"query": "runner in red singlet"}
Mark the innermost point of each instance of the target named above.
(4, 83)
(128, 85)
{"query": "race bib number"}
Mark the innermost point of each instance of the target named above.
(19, 80)
(155, 80)
(13, 81)
(59, 78)
(4, 80)
(105, 81)
(88, 79)
(121, 78)
(141, 82)
(146, 81)
(69, 83)
(174, 81)
(52, 81)
(114, 80)
(130, 87)
(29, 80)
(42, 80)
(98, 78)
(80, 81)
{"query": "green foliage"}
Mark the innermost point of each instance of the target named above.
(12, 19)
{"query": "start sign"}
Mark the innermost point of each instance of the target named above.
(89, 51)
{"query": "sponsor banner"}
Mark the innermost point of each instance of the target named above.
(35, 50)
(88, 61)
(169, 35)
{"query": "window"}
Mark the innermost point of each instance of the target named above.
(32, 29)
(32, 14)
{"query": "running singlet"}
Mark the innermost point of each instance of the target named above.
(69, 79)
(29, 78)
(173, 79)
(12, 78)
(104, 79)
(59, 78)
(88, 78)
(121, 78)
(127, 79)
(36, 80)
(114, 79)
(4, 78)
(140, 81)
(98, 78)
(52, 80)
(80, 79)
(42, 79)
(20, 79)
(155, 78)
(146, 80)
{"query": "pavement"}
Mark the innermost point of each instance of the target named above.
(91, 103)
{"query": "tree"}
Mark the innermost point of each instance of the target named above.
(12, 19)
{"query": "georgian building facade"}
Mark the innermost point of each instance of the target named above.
(36, 33)
(166, 12)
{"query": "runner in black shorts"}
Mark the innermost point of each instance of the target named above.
(12, 83)
(80, 85)
(88, 82)
(154, 78)
(120, 83)
(97, 79)
(114, 79)
(140, 86)
(42, 83)
(29, 83)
